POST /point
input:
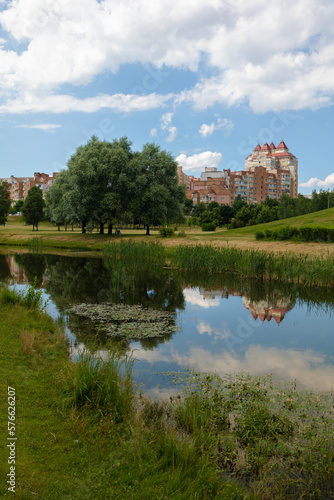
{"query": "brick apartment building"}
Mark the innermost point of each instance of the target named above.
(19, 186)
(269, 171)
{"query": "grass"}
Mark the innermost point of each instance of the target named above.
(16, 234)
(255, 264)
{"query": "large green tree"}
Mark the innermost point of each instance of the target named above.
(33, 208)
(158, 198)
(5, 202)
(98, 184)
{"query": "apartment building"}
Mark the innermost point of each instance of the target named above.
(269, 171)
(19, 186)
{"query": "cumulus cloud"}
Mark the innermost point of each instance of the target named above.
(221, 124)
(197, 162)
(259, 55)
(166, 126)
(153, 132)
(314, 182)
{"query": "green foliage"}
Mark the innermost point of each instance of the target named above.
(33, 208)
(5, 202)
(255, 264)
(303, 233)
(104, 386)
(17, 207)
(33, 298)
(209, 226)
(166, 232)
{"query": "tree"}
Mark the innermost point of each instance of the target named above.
(17, 207)
(33, 208)
(226, 214)
(198, 209)
(5, 202)
(158, 198)
(188, 206)
(101, 183)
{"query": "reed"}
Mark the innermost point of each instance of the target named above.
(255, 264)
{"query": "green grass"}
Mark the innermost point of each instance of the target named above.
(323, 218)
(255, 264)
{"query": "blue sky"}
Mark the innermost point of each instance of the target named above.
(205, 79)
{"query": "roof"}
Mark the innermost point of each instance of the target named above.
(272, 146)
(258, 148)
(265, 147)
(282, 145)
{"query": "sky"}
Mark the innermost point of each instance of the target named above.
(206, 80)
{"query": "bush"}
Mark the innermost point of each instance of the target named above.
(209, 226)
(259, 235)
(181, 234)
(166, 232)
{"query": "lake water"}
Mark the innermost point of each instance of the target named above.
(226, 324)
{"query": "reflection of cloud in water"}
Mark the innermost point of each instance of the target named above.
(193, 297)
(217, 333)
(308, 367)
(162, 392)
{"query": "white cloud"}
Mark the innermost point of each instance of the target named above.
(197, 162)
(221, 124)
(67, 103)
(48, 127)
(259, 55)
(166, 126)
(153, 132)
(315, 182)
(194, 297)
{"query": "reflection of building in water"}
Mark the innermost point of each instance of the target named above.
(17, 273)
(268, 308)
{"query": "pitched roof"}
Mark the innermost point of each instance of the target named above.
(258, 148)
(282, 145)
(265, 147)
(272, 146)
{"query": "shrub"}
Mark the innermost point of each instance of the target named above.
(166, 232)
(268, 233)
(259, 235)
(209, 226)
(181, 234)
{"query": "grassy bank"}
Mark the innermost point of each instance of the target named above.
(16, 234)
(83, 432)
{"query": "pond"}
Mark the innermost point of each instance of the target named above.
(220, 323)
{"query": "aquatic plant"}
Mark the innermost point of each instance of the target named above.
(130, 322)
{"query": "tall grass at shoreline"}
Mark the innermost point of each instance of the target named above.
(255, 264)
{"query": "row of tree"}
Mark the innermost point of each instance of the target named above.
(242, 214)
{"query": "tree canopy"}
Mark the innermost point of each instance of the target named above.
(33, 208)
(108, 183)
(5, 202)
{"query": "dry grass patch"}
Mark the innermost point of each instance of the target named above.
(27, 341)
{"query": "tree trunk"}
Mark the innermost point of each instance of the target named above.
(37, 226)
(101, 228)
(83, 226)
(147, 229)
(58, 227)
(33, 227)
(109, 228)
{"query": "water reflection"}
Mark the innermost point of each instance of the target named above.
(227, 323)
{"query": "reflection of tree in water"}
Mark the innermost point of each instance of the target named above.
(33, 265)
(4, 268)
